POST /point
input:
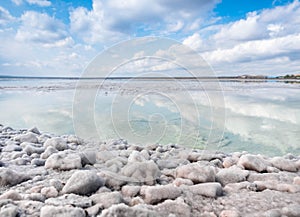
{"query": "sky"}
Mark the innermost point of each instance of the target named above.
(61, 37)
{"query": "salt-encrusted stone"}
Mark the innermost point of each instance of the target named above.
(196, 173)
(30, 149)
(28, 137)
(155, 194)
(83, 183)
(58, 143)
(231, 175)
(11, 194)
(130, 190)
(107, 199)
(212, 189)
(284, 164)
(48, 152)
(252, 162)
(141, 172)
(63, 161)
(11, 178)
(49, 192)
(296, 180)
(9, 210)
(180, 181)
(291, 210)
(50, 211)
(115, 210)
(229, 213)
(70, 200)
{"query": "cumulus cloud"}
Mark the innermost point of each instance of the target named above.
(120, 18)
(271, 34)
(43, 29)
(194, 41)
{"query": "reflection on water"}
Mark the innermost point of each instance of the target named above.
(260, 117)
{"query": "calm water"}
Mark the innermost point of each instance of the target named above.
(256, 117)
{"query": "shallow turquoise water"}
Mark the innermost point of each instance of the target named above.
(256, 117)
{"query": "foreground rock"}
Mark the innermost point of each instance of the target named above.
(46, 175)
(83, 183)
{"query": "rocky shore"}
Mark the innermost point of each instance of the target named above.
(48, 175)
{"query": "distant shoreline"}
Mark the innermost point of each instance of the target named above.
(222, 78)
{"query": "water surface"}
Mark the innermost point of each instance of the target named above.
(259, 117)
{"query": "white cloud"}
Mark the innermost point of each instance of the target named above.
(272, 34)
(17, 2)
(42, 29)
(116, 19)
(5, 17)
(194, 41)
(256, 50)
(41, 3)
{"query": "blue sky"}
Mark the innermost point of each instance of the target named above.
(60, 37)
